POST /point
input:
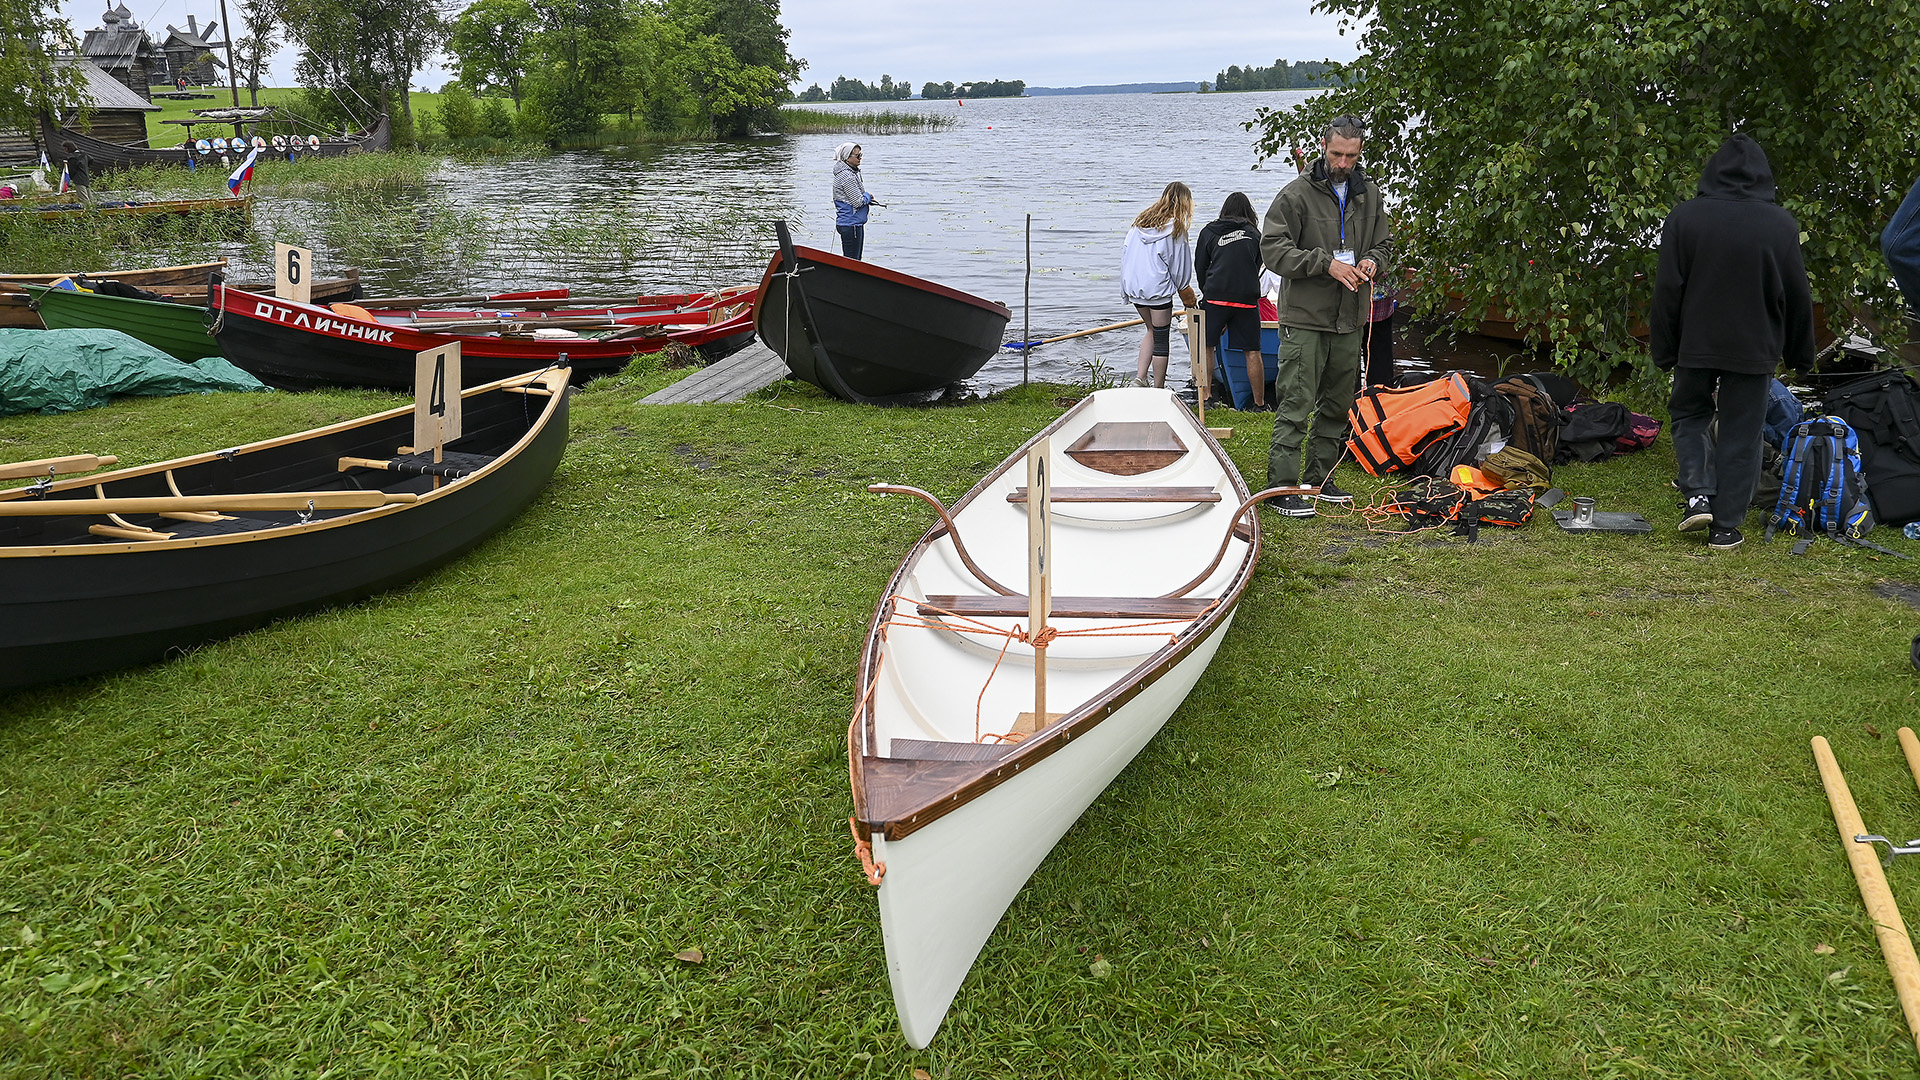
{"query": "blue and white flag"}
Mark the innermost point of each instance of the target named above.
(242, 174)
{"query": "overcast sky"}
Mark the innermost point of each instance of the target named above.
(1044, 42)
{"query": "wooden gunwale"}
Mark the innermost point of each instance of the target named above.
(873, 270)
(950, 785)
(117, 275)
(553, 378)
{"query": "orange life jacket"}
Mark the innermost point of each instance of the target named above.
(1391, 428)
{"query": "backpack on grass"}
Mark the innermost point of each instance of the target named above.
(1822, 490)
(1537, 420)
(1884, 411)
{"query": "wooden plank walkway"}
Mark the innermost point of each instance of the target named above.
(733, 378)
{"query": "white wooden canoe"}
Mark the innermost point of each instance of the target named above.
(1154, 559)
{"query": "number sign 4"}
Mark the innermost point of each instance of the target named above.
(436, 398)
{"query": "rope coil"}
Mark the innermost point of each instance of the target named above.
(863, 848)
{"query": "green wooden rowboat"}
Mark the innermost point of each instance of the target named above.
(179, 330)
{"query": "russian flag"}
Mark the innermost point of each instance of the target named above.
(242, 174)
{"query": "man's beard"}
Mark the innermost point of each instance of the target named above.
(1339, 176)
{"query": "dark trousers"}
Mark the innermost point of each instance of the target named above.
(853, 240)
(1380, 352)
(1727, 470)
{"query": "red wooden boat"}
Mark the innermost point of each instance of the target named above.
(296, 346)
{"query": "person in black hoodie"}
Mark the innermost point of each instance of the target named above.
(1730, 301)
(1226, 263)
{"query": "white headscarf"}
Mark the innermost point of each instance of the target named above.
(841, 152)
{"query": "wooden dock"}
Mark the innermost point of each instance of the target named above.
(752, 368)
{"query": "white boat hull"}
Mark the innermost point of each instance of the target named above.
(948, 884)
(1148, 552)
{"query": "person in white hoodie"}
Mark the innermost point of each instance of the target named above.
(1155, 266)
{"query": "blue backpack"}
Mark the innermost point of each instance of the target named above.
(1822, 490)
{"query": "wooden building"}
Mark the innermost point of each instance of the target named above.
(190, 54)
(119, 114)
(124, 51)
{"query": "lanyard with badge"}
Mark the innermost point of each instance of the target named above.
(1345, 254)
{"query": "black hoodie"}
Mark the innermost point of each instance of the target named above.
(1226, 261)
(1731, 290)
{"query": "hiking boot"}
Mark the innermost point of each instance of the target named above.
(1725, 539)
(1333, 493)
(1696, 513)
(1292, 506)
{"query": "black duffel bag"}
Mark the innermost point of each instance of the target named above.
(1884, 411)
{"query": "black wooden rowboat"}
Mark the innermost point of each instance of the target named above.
(875, 333)
(81, 594)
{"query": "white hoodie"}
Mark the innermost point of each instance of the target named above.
(1154, 266)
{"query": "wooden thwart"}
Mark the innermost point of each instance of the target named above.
(269, 500)
(1124, 494)
(941, 750)
(1071, 607)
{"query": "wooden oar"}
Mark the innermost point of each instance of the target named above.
(162, 504)
(450, 326)
(1902, 965)
(53, 466)
(1079, 333)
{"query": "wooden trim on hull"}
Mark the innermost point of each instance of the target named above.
(896, 797)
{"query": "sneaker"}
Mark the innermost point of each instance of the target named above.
(1725, 539)
(1696, 513)
(1138, 381)
(1333, 493)
(1292, 506)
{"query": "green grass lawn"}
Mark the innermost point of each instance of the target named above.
(1540, 806)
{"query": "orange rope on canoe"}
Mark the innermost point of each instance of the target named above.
(864, 849)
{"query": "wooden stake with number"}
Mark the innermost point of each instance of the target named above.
(1198, 360)
(436, 399)
(293, 273)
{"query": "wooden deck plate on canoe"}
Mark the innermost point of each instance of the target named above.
(958, 793)
(1128, 448)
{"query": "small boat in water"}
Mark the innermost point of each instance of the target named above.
(296, 346)
(232, 211)
(863, 332)
(103, 571)
(958, 795)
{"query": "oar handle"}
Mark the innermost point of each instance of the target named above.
(72, 463)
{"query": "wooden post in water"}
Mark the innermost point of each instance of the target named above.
(1026, 313)
(1895, 945)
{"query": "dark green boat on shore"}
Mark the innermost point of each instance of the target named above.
(179, 330)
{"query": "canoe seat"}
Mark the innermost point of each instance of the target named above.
(1124, 494)
(1128, 448)
(1073, 607)
(938, 750)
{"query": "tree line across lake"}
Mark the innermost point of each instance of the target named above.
(845, 89)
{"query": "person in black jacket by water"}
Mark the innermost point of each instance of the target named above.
(1226, 262)
(1730, 301)
(1900, 243)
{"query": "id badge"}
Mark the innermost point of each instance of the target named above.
(1344, 255)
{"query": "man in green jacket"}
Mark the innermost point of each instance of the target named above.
(1327, 234)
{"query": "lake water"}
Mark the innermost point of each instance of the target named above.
(692, 216)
